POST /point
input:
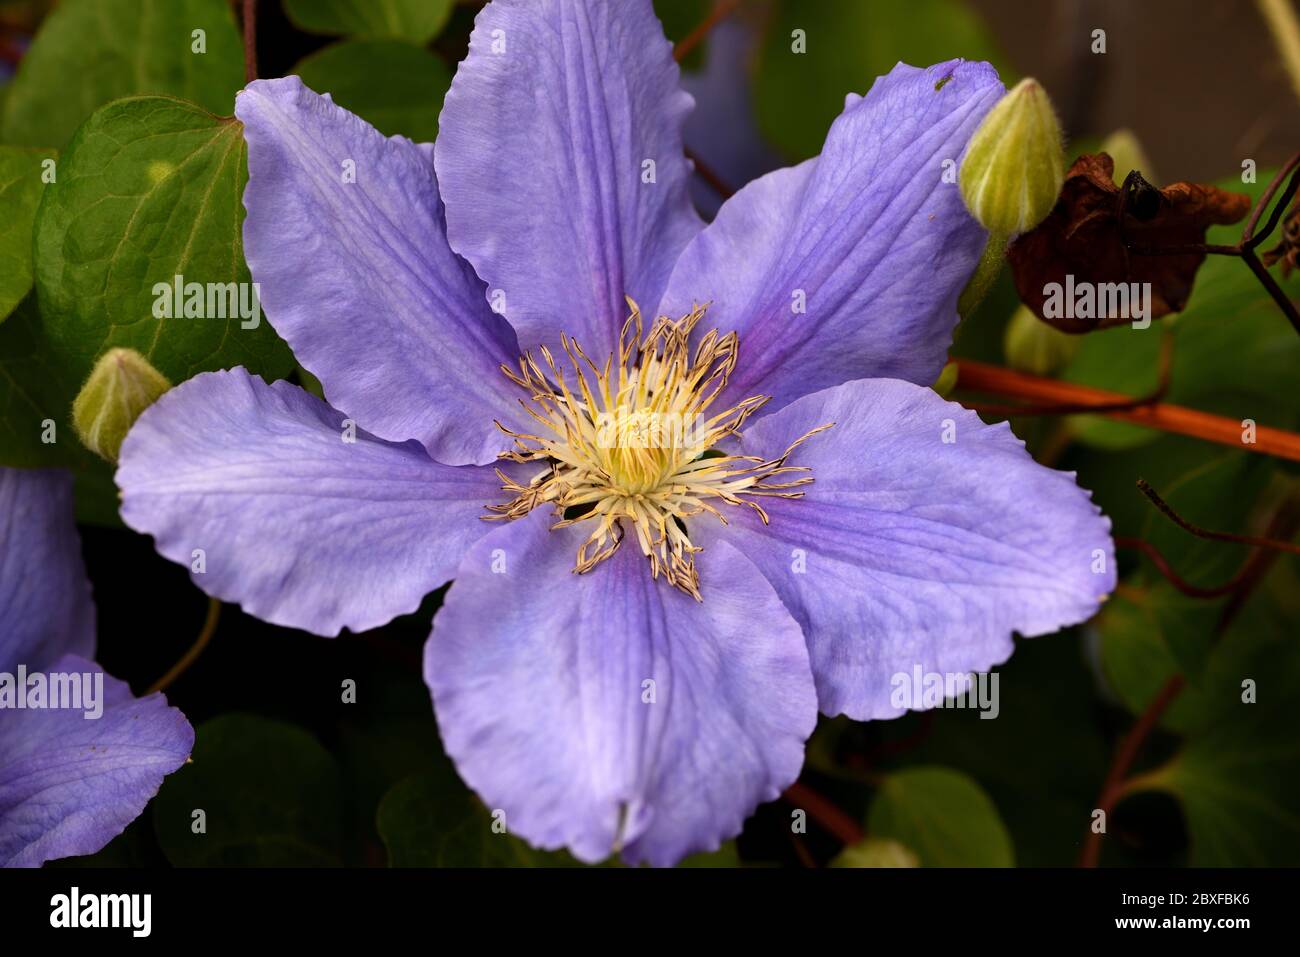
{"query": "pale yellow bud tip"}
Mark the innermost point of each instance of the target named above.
(121, 386)
(1125, 149)
(1014, 166)
(947, 380)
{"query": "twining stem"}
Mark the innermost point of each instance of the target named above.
(801, 852)
(1167, 510)
(721, 10)
(1282, 527)
(250, 40)
(706, 173)
(1285, 523)
(832, 819)
(1285, 28)
(1163, 379)
(1251, 238)
(995, 380)
(889, 749)
(196, 649)
(1129, 748)
(1171, 576)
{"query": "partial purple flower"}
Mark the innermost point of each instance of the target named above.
(768, 511)
(72, 776)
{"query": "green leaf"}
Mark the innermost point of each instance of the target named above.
(96, 494)
(149, 189)
(35, 391)
(394, 86)
(387, 736)
(1148, 637)
(944, 816)
(1238, 773)
(1041, 761)
(1152, 631)
(416, 20)
(431, 820)
(848, 45)
(1121, 359)
(89, 52)
(36, 395)
(21, 185)
(1221, 494)
(268, 791)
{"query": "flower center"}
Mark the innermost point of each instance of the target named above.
(635, 444)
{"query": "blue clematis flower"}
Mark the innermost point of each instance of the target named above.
(71, 778)
(815, 522)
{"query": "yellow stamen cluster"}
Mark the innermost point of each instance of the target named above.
(634, 442)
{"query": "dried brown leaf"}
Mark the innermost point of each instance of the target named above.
(1096, 229)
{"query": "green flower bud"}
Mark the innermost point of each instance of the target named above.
(876, 852)
(1015, 165)
(121, 386)
(1031, 345)
(1124, 148)
(947, 380)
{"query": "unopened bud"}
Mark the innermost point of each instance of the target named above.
(1014, 166)
(1031, 345)
(947, 380)
(876, 852)
(121, 386)
(1124, 148)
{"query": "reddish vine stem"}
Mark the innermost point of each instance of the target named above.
(1283, 527)
(995, 380)
(891, 749)
(1067, 408)
(1171, 576)
(832, 819)
(1269, 283)
(250, 40)
(1249, 238)
(721, 10)
(802, 852)
(1168, 511)
(706, 173)
(1116, 779)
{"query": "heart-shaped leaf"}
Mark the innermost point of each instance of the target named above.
(138, 245)
(89, 52)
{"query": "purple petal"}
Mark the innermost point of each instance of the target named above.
(541, 153)
(909, 550)
(538, 679)
(296, 524)
(359, 279)
(45, 605)
(69, 784)
(867, 238)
